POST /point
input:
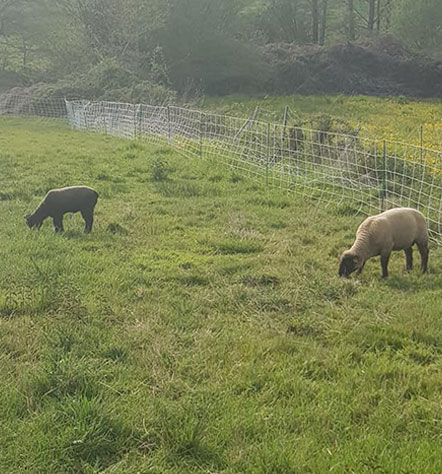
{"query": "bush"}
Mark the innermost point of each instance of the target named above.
(106, 81)
(372, 65)
(160, 169)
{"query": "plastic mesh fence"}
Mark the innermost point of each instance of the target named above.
(366, 175)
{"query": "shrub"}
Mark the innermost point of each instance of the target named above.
(107, 80)
(160, 169)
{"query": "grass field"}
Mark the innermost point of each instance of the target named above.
(397, 118)
(201, 327)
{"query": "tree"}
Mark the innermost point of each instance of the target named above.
(323, 22)
(372, 13)
(9, 10)
(213, 45)
(419, 23)
(319, 20)
(315, 21)
(351, 32)
(89, 31)
(203, 49)
(275, 21)
(17, 35)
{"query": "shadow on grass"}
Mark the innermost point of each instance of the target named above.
(414, 282)
(235, 246)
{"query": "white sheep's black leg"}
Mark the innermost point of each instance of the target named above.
(88, 217)
(409, 259)
(58, 223)
(384, 265)
(424, 251)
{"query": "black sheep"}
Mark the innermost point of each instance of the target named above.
(58, 202)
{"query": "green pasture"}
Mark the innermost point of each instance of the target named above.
(395, 118)
(202, 327)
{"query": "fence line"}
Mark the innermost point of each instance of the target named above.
(18, 105)
(363, 175)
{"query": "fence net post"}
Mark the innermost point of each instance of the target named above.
(421, 141)
(169, 137)
(268, 154)
(384, 176)
(200, 146)
(140, 120)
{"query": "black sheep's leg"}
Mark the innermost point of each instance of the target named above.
(88, 217)
(384, 265)
(409, 259)
(424, 251)
(58, 223)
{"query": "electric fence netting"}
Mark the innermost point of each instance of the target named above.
(364, 175)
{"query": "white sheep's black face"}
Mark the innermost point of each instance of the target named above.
(349, 264)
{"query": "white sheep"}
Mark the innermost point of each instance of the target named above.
(58, 202)
(396, 229)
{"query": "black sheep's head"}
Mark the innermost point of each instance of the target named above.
(30, 221)
(349, 263)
